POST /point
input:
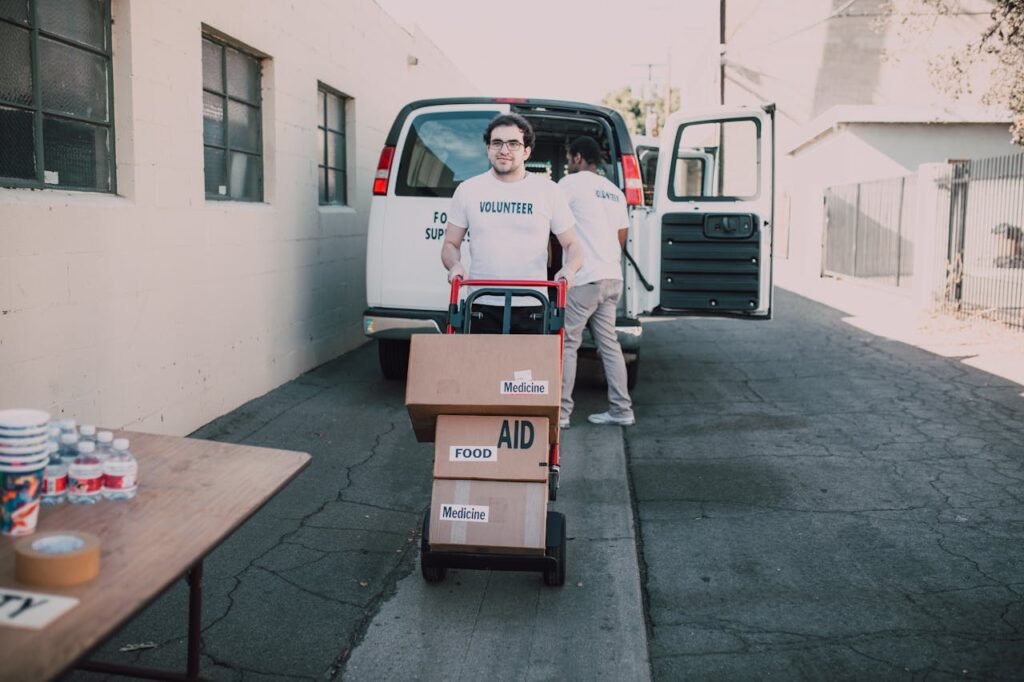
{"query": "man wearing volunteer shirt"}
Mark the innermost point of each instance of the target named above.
(601, 221)
(511, 214)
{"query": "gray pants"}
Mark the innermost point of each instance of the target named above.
(595, 302)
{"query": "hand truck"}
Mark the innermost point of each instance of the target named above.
(434, 564)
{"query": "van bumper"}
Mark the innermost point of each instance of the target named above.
(629, 332)
(392, 323)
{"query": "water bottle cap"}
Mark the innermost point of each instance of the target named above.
(67, 424)
(120, 443)
(105, 437)
(86, 447)
(69, 438)
(87, 430)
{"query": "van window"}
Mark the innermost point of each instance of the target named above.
(729, 150)
(441, 150)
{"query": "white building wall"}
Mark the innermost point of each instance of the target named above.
(158, 310)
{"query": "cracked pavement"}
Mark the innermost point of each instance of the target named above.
(811, 502)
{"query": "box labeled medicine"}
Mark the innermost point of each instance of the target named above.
(488, 516)
(483, 374)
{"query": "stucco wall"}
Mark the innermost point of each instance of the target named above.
(159, 310)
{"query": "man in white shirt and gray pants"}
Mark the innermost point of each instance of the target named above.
(602, 222)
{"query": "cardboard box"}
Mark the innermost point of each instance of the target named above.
(491, 448)
(488, 516)
(483, 374)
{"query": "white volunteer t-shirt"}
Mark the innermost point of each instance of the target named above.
(600, 211)
(509, 224)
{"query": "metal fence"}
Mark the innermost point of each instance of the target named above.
(868, 228)
(985, 246)
(975, 215)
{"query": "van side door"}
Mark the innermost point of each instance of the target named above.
(706, 247)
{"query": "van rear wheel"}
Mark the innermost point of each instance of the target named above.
(394, 358)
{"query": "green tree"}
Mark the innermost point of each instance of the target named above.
(635, 109)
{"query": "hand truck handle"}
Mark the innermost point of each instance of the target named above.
(457, 283)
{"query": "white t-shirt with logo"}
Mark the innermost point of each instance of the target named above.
(599, 208)
(509, 225)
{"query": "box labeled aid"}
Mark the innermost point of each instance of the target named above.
(491, 448)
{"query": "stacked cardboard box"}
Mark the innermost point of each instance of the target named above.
(490, 405)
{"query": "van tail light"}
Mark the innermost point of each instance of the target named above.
(380, 180)
(634, 185)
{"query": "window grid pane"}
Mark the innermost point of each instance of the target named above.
(231, 123)
(243, 74)
(79, 20)
(243, 127)
(213, 120)
(14, 9)
(213, 76)
(61, 134)
(75, 154)
(18, 142)
(73, 81)
(335, 113)
(16, 57)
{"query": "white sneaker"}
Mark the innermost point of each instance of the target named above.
(563, 423)
(608, 418)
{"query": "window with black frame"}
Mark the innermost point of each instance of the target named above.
(332, 168)
(232, 126)
(56, 95)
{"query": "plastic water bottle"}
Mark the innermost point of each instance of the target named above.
(120, 473)
(85, 476)
(68, 426)
(87, 432)
(68, 446)
(54, 433)
(104, 444)
(55, 478)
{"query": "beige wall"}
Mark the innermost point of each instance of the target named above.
(158, 310)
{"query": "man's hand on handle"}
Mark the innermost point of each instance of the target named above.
(457, 270)
(568, 275)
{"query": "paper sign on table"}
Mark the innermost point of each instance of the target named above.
(32, 610)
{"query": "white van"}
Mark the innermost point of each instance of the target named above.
(716, 260)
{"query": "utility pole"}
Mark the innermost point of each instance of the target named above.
(721, 52)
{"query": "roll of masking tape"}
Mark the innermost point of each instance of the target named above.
(59, 558)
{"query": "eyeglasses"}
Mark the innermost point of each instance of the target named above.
(513, 145)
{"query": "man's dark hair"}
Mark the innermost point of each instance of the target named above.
(511, 120)
(586, 147)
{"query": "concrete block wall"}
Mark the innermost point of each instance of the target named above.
(158, 310)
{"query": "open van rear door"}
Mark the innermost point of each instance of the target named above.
(706, 247)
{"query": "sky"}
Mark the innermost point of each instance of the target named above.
(572, 49)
